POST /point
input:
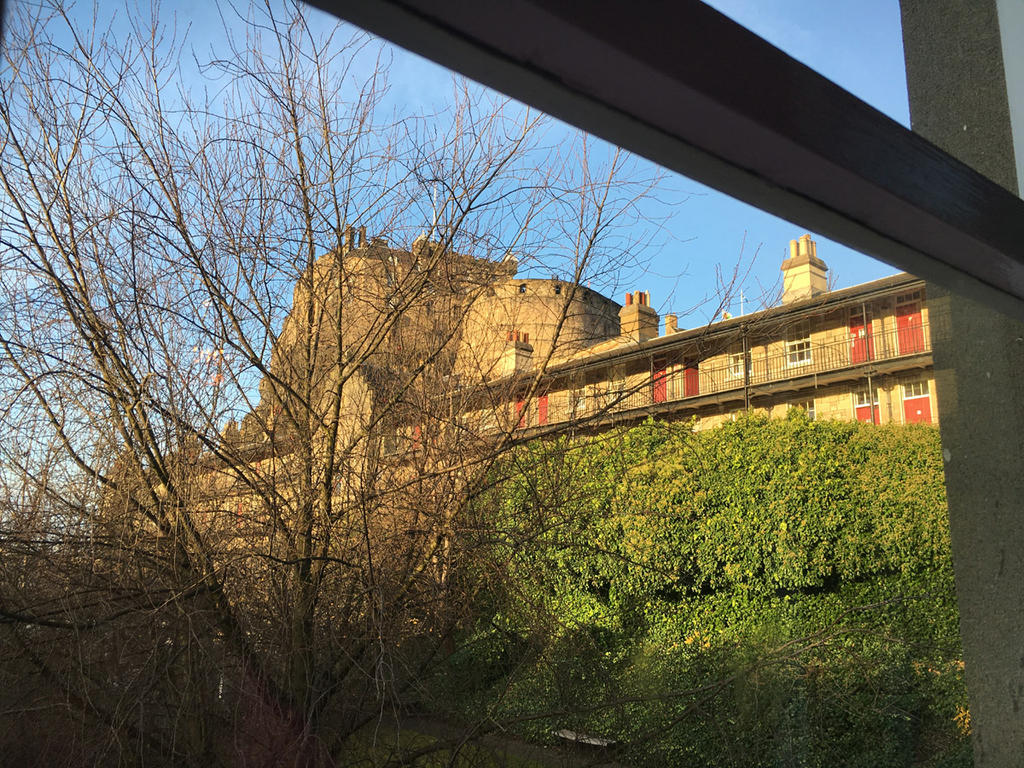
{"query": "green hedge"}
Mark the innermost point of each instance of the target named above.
(772, 592)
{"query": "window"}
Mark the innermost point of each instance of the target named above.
(577, 403)
(865, 405)
(558, 289)
(798, 344)
(736, 367)
(487, 419)
(915, 389)
(931, 109)
(522, 287)
(798, 349)
(614, 391)
(798, 352)
(807, 406)
(862, 398)
(917, 408)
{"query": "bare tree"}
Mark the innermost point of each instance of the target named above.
(238, 461)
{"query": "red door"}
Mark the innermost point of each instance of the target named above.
(691, 381)
(917, 410)
(861, 345)
(659, 378)
(909, 329)
(864, 413)
(542, 410)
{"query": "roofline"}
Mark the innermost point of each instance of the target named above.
(804, 307)
(512, 281)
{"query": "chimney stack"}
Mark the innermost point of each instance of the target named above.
(671, 324)
(636, 319)
(517, 355)
(803, 273)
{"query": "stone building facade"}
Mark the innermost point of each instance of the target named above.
(532, 356)
(862, 352)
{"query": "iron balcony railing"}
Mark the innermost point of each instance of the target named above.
(678, 380)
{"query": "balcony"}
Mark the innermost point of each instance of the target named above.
(795, 368)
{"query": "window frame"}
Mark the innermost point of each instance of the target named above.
(799, 352)
(865, 390)
(737, 365)
(923, 383)
(808, 407)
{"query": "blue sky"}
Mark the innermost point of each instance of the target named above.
(856, 43)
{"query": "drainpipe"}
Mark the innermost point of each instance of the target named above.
(871, 398)
(869, 355)
(746, 370)
(869, 341)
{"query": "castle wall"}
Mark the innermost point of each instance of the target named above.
(558, 318)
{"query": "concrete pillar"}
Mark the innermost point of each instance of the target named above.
(956, 53)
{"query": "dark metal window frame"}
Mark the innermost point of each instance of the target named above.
(685, 86)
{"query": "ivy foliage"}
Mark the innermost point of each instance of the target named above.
(771, 592)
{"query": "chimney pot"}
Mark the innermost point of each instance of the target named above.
(805, 245)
